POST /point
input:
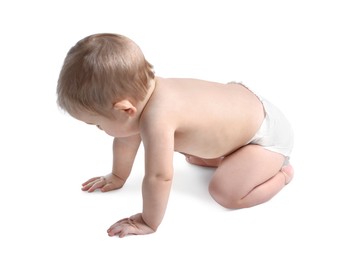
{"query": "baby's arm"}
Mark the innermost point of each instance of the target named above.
(158, 177)
(159, 149)
(124, 153)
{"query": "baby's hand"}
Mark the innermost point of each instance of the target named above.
(104, 183)
(134, 225)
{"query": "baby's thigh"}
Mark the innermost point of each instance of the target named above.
(246, 168)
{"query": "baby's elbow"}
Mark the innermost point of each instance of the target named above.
(159, 177)
(163, 177)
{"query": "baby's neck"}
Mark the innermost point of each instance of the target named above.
(143, 104)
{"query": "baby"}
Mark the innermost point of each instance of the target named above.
(106, 81)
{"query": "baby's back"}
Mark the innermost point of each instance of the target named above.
(211, 119)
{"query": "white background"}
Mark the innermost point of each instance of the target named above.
(283, 50)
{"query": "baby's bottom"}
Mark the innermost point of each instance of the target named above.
(250, 176)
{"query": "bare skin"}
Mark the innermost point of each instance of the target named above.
(211, 123)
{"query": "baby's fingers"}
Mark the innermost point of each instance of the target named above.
(99, 183)
(90, 180)
(121, 228)
(96, 184)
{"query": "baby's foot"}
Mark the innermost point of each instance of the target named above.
(288, 172)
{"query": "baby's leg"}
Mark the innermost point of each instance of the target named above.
(250, 176)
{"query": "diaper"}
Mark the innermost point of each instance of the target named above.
(275, 133)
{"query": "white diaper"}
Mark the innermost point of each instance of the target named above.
(275, 133)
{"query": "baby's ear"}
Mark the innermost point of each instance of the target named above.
(125, 106)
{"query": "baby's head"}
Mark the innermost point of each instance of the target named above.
(102, 69)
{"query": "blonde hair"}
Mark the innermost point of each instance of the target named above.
(101, 69)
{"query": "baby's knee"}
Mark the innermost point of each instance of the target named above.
(225, 199)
